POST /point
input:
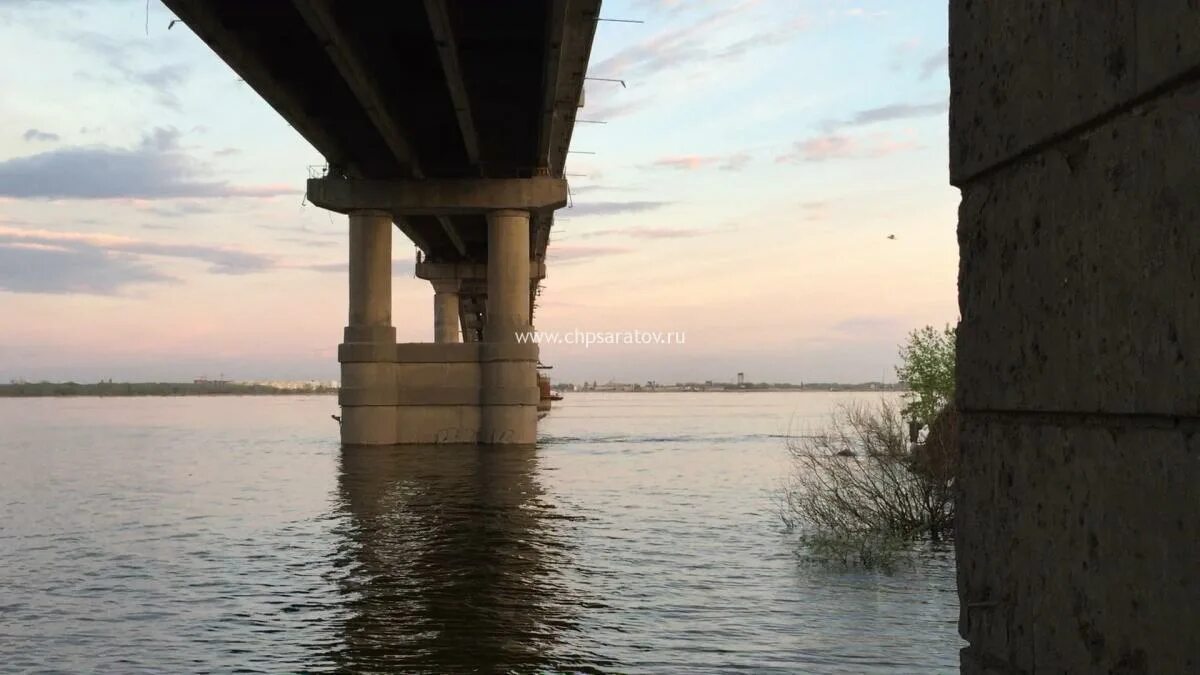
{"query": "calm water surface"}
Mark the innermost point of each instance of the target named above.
(176, 535)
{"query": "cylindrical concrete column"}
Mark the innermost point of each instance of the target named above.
(445, 310)
(367, 357)
(370, 277)
(509, 395)
(507, 275)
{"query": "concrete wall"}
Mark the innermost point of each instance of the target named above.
(1075, 138)
(428, 393)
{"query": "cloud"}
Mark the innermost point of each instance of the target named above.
(685, 162)
(896, 111)
(888, 113)
(610, 208)
(156, 168)
(182, 209)
(768, 38)
(607, 108)
(869, 325)
(733, 162)
(904, 57)
(861, 13)
(304, 229)
(399, 267)
(670, 7)
(648, 233)
(838, 146)
(935, 63)
(333, 267)
(121, 58)
(310, 243)
(567, 253)
(901, 54)
(37, 269)
(696, 44)
(692, 44)
(587, 189)
(121, 256)
(36, 135)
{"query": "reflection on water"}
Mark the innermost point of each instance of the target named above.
(224, 535)
(452, 561)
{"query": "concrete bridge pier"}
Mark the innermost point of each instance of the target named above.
(445, 391)
(510, 367)
(445, 311)
(369, 332)
(1074, 137)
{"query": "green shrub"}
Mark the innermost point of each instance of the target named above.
(855, 488)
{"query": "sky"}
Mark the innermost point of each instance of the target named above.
(742, 193)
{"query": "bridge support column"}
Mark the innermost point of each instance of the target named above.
(1073, 136)
(369, 328)
(445, 311)
(510, 392)
(508, 275)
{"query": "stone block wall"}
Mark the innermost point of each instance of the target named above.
(1075, 139)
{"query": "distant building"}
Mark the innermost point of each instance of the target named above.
(210, 383)
(741, 379)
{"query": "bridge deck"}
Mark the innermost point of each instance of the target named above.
(417, 89)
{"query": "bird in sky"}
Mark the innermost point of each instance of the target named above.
(891, 236)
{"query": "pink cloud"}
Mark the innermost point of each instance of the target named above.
(840, 146)
(686, 162)
(733, 162)
(562, 253)
(685, 44)
(649, 233)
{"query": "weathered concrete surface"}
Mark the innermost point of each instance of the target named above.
(1075, 135)
(1042, 69)
(508, 314)
(438, 197)
(431, 393)
(445, 311)
(1081, 269)
(470, 272)
(1080, 544)
(508, 307)
(370, 287)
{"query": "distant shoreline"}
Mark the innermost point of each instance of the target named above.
(729, 388)
(757, 390)
(143, 389)
(179, 389)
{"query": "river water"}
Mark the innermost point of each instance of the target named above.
(178, 535)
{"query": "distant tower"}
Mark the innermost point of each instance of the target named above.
(741, 379)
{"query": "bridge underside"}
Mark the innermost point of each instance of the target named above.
(451, 119)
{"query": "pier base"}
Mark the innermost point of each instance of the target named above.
(429, 393)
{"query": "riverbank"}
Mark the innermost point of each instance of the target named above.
(728, 388)
(107, 389)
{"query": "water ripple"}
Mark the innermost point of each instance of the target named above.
(209, 535)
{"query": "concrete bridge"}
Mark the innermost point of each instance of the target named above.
(450, 119)
(1074, 139)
